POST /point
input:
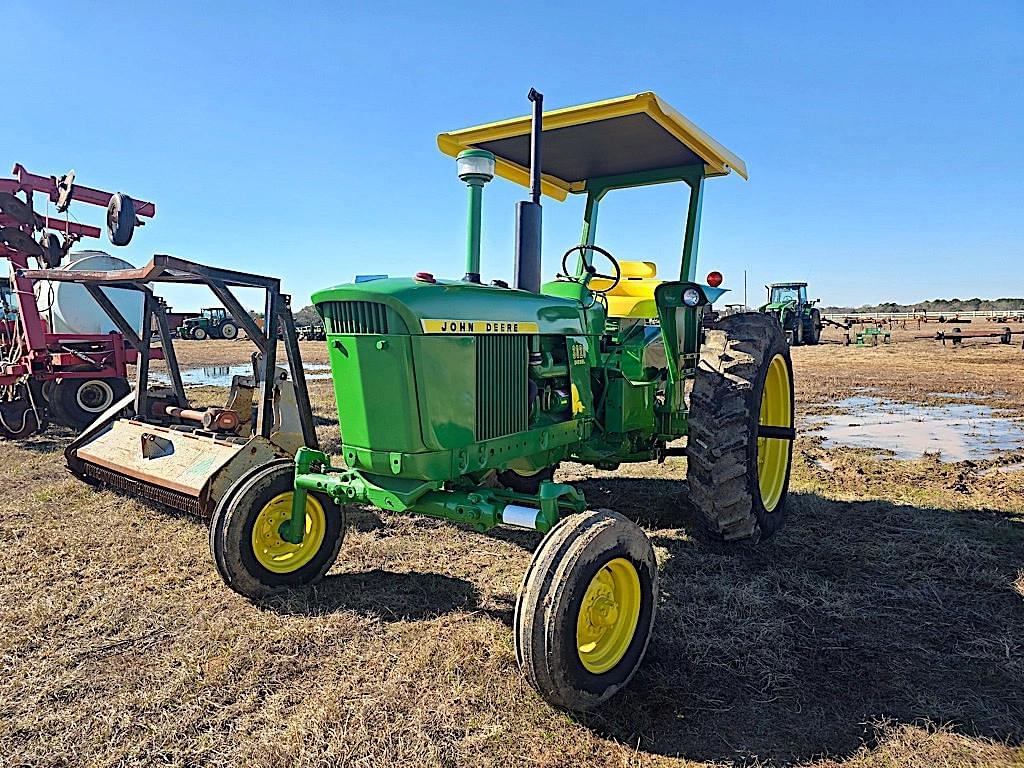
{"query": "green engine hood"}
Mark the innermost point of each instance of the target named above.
(452, 307)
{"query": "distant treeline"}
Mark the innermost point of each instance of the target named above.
(935, 306)
(305, 316)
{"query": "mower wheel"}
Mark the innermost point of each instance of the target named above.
(216, 552)
(586, 609)
(120, 219)
(229, 331)
(77, 403)
(245, 539)
(530, 484)
(199, 334)
(738, 478)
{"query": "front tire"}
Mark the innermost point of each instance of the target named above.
(248, 550)
(199, 334)
(586, 609)
(738, 480)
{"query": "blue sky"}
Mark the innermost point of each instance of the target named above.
(884, 140)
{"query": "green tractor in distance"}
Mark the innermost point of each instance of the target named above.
(457, 399)
(212, 323)
(799, 319)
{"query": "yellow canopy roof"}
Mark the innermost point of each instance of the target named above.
(629, 134)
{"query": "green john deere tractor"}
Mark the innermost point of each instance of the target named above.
(457, 399)
(212, 323)
(799, 319)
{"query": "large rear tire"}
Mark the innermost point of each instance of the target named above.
(586, 609)
(813, 333)
(738, 480)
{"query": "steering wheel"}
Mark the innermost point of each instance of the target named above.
(591, 270)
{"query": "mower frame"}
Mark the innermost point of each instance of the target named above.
(165, 269)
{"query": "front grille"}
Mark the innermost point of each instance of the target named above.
(502, 386)
(354, 316)
(129, 486)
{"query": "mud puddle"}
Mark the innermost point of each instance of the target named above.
(956, 432)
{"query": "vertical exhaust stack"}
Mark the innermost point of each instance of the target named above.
(528, 212)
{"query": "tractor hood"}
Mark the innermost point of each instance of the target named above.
(412, 306)
(777, 306)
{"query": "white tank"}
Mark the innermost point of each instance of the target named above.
(73, 310)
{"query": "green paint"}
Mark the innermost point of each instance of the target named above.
(473, 230)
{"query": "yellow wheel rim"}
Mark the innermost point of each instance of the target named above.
(608, 616)
(273, 552)
(773, 453)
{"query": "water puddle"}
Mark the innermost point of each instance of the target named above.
(221, 375)
(967, 395)
(957, 432)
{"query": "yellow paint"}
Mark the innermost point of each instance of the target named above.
(478, 326)
(273, 552)
(608, 616)
(633, 297)
(578, 406)
(718, 160)
(773, 453)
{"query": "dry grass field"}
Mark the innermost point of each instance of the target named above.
(883, 627)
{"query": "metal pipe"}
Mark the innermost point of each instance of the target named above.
(473, 230)
(535, 130)
(219, 419)
(529, 212)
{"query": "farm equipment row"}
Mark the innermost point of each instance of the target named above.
(957, 337)
(46, 372)
(457, 399)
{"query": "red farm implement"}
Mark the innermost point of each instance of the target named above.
(49, 372)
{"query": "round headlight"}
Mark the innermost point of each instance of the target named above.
(475, 164)
(691, 297)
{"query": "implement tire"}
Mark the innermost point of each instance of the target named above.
(247, 547)
(738, 481)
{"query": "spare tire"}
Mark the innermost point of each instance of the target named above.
(120, 219)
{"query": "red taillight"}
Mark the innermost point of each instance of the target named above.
(714, 279)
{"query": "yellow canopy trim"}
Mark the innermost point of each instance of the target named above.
(600, 139)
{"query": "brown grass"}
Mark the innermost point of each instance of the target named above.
(882, 627)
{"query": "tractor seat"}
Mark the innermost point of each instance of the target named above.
(633, 297)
